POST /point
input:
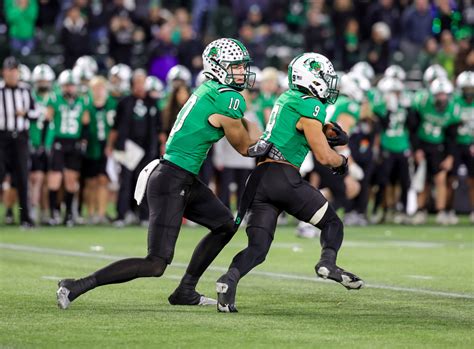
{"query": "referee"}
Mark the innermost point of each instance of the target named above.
(16, 108)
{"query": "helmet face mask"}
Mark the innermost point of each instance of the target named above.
(228, 61)
(314, 74)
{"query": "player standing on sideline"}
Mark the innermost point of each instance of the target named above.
(43, 77)
(174, 191)
(295, 127)
(66, 111)
(464, 154)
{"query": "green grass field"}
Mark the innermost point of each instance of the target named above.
(420, 292)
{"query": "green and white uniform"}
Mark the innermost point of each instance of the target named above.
(67, 116)
(192, 135)
(101, 121)
(36, 126)
(395, 137)
(281, 128)
(262, 102)
(465, 131)
(344, 105)
(434, 123)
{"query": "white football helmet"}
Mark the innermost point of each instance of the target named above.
(154, 86)
(25, 73)
(365, 69)
(349, 87)
(390, 84)
(221, 55)
(200, 78)
(87, 62)
(68, 78)
(433, 72)
(119, 77)
(441, 85)
(395, 71)
(465, 80)
(314, 74)
(43, 72)
(178, 72)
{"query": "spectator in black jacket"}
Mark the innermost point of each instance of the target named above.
(379, 49)
(74, 36)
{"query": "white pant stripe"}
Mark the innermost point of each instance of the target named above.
(319, 214)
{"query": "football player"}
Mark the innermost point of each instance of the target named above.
(395, 140)
(174, 191)
(295, 127)
(434, 124)
(43, 77)
(101, 113)
(464, 154)
(66, 110)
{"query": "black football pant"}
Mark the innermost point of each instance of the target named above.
(14, 151)
(281, 188)
(172, 193)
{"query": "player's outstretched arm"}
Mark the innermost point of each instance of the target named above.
(235, 131)
(313, 131)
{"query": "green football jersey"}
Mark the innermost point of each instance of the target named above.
(192, 135)
(395, 138)
(466, 117)
(67, 116)
(101, 120)
(281, 128)
(344, 105)
(433, 123)
(36, 126)
(262, 102)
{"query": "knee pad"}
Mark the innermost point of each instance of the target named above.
(156, 266)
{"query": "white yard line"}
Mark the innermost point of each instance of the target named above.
(58, 252)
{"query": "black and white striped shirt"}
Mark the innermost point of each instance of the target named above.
(14, 101)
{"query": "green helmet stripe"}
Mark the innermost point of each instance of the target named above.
(242, 47)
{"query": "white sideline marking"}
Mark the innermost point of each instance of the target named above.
(356, 244)
(420, 277)
(52, 251)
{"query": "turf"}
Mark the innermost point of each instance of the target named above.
(420, 292)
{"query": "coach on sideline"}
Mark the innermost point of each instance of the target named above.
(16, 108)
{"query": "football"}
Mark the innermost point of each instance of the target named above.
(328, 131)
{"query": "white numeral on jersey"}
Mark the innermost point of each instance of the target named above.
(271, 122)
(234, 103)
(184, 112)
(316, 111)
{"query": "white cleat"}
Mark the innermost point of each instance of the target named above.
(62, 297)
(204, 301)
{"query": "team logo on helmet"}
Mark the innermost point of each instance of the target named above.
(313, 65)
(214, 52)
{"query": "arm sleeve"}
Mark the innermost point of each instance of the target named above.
(231, 103)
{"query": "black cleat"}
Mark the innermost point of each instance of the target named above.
(327, 270)
(226, 291)
(189, 297)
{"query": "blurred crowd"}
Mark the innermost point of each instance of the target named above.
(134, 64)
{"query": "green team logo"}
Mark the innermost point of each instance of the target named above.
(214, 52)
(312, 65)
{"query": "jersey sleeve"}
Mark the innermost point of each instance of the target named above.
(230, 103)
(312, 108)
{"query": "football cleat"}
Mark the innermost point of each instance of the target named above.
(62, 294)
(225, 295)
(185, 297)
(331, 271)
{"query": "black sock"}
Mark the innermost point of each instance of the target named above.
(53, 198)
(68, 198)
(328, 255)
(9, 211)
